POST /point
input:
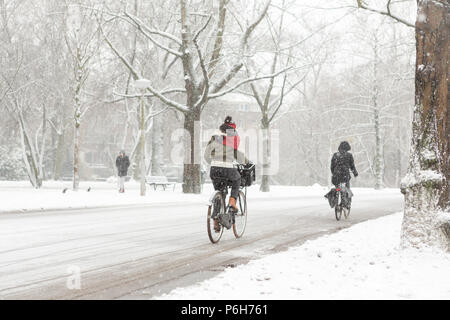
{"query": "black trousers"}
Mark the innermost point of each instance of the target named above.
(231, 174)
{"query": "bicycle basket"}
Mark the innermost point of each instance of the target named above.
(248, 175)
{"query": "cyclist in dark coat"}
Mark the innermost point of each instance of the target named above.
(341, 164)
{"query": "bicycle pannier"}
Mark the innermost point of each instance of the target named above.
(248, 175)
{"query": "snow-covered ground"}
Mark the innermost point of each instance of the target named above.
(21, 197)
(141, 247)
(361, 262)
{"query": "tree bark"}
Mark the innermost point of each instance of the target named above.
(426, 216)
(157, 147)
(30, 155)
(266, 153)
(379, 161)
(192, 181)
(76, 156)
(77, 124)
(142, 148)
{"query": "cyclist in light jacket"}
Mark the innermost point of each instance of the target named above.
(221, 153)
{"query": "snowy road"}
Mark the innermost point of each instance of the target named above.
(142, 251)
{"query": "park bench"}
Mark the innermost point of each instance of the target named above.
(162, 181)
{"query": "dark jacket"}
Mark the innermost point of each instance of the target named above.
(122, 164)
(341, 164)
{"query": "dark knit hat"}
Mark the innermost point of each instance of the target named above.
(228, 124)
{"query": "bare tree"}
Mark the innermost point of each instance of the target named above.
(81, 36)
(204, 79)
(21, 97)
(270, 99)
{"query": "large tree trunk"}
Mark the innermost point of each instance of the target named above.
(266, 154)
(427, 218)
(192, 182)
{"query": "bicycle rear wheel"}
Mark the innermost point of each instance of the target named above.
(214, 210)
(338, 207)
(338, 212)
(346, 213)
(240, 218)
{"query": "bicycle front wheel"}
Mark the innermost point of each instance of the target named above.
(347, 210)
(215, 229)
(240, 218)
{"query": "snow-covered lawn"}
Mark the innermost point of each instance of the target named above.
(361, 262)
(21, 197)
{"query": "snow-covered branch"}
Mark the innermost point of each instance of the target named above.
(388, 12)
(239, 84)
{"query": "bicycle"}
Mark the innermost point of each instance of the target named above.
(343, 202)
(217, 211)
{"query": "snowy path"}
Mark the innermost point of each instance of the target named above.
(361, 262)
(145, 250)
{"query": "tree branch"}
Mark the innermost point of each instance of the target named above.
(136, 76)
(178, 106)
(146, 95)
(243, 44)
(219, 38)
(219, 94)
(388, 13)
(166, 35)
(204, 97)
(133, 71)
(143, 29)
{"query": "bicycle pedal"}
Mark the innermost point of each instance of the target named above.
(217, 226)
(231, 210)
